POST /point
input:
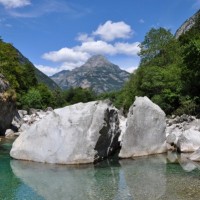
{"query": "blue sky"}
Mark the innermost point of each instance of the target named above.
(62, 34)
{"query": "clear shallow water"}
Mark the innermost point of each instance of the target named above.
(148, 178)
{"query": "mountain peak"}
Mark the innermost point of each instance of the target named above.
(97, 73)
(97, 61)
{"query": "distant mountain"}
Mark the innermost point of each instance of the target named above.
(97, 73)
(58, 77)
(187, 25)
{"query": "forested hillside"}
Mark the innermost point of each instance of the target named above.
(169, 72)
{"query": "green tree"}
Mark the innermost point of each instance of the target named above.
(191, 69)
(154, 44)
(32, 99)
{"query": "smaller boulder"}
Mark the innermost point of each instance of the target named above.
(188, 141)
(9, 133)
(145, 132)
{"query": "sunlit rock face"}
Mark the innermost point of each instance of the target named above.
(7, 106)
(145, 131)
(81, 133)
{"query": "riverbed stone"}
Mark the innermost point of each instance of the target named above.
(9, 133)
(81, 133)
(189, 140)
(145, 132)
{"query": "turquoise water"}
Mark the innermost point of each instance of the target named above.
(166, 177)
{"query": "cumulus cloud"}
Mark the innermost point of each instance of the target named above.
(49, 70)
(66, 55)
(110, 31)
(83, 37)
(127, 48)
(86, 49)
(96, 47)
(15, 3)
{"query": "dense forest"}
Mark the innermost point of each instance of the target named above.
(169, 74)
(25, 88)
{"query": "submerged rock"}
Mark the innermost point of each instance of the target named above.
(145, 132)
(81, 133)
(195, 156)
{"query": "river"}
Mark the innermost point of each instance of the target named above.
(166, 177)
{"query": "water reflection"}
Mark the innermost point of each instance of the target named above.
(145, 177)
(68, 182)
(183, 160)
(158, 177)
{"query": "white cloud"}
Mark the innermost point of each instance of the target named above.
(96, 47)
(127, 48)
(80, 54)
(14, 3)
(66, 55)
(48, 70)
(83, 37)
(131, 69)
(113, 30)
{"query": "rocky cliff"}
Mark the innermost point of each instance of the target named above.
(187, 25)
(7, 105)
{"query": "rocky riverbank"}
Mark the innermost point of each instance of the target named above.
(89, 132)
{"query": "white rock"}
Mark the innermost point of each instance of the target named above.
(189, 141)
(9, 133)
(22, 113)
(145, 133)
(81, 133)
(24, 127)
(27, 118)
(41, 114)
(122, 125)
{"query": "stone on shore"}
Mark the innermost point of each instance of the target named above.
(145, 132)
(81, 133)
(183, 133)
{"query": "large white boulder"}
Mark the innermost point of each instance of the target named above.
(81, 133)
(145, 132)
